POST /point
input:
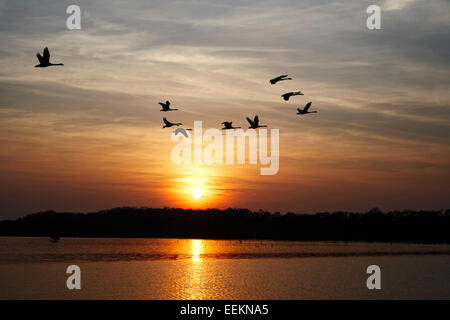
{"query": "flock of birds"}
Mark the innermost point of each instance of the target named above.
(44, 61)
(227, 125)
(254, 123)
(286, 96)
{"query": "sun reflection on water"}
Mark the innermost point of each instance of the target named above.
(196, 249)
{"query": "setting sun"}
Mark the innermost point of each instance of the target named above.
(197, 194)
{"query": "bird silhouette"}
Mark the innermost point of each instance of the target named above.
(228, 125)
(166, 106)
(305, 109)
(254, 123)
(286, 96)
(54, 237)
(182, 131)
(280, 78)
(44, 61)
(168, 124)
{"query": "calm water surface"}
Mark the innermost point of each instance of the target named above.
(34, 268)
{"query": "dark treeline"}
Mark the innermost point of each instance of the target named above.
(410, 226)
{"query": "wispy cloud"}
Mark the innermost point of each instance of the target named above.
(383, 96)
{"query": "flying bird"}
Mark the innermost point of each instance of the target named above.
(286, 96)
(44, 61)
(254, 123)
(280, 78)
(166, 106)
(305, 109)
(54, 237)
(168, 124)
(228, 125)
(182, 131)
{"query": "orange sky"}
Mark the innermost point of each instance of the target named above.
(88, 136)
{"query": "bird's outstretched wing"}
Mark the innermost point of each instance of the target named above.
(256, 120)
(46, 55)
(166, 121)
(308, 105)
(162, 104)
(182, 131)
(38, 55)
(250, 121)
(279, 78)
(275, 80)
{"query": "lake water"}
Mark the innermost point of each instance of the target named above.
(35, 268)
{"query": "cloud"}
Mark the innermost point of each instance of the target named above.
(390, 5)
(383, 91)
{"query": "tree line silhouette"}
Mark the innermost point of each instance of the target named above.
(232, 223)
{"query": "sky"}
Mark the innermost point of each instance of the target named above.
(88, 136)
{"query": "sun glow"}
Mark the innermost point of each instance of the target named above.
(197, 187)
(194, 187)
(197, 194)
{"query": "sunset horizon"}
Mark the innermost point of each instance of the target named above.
(252, 150)
(87, 135)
